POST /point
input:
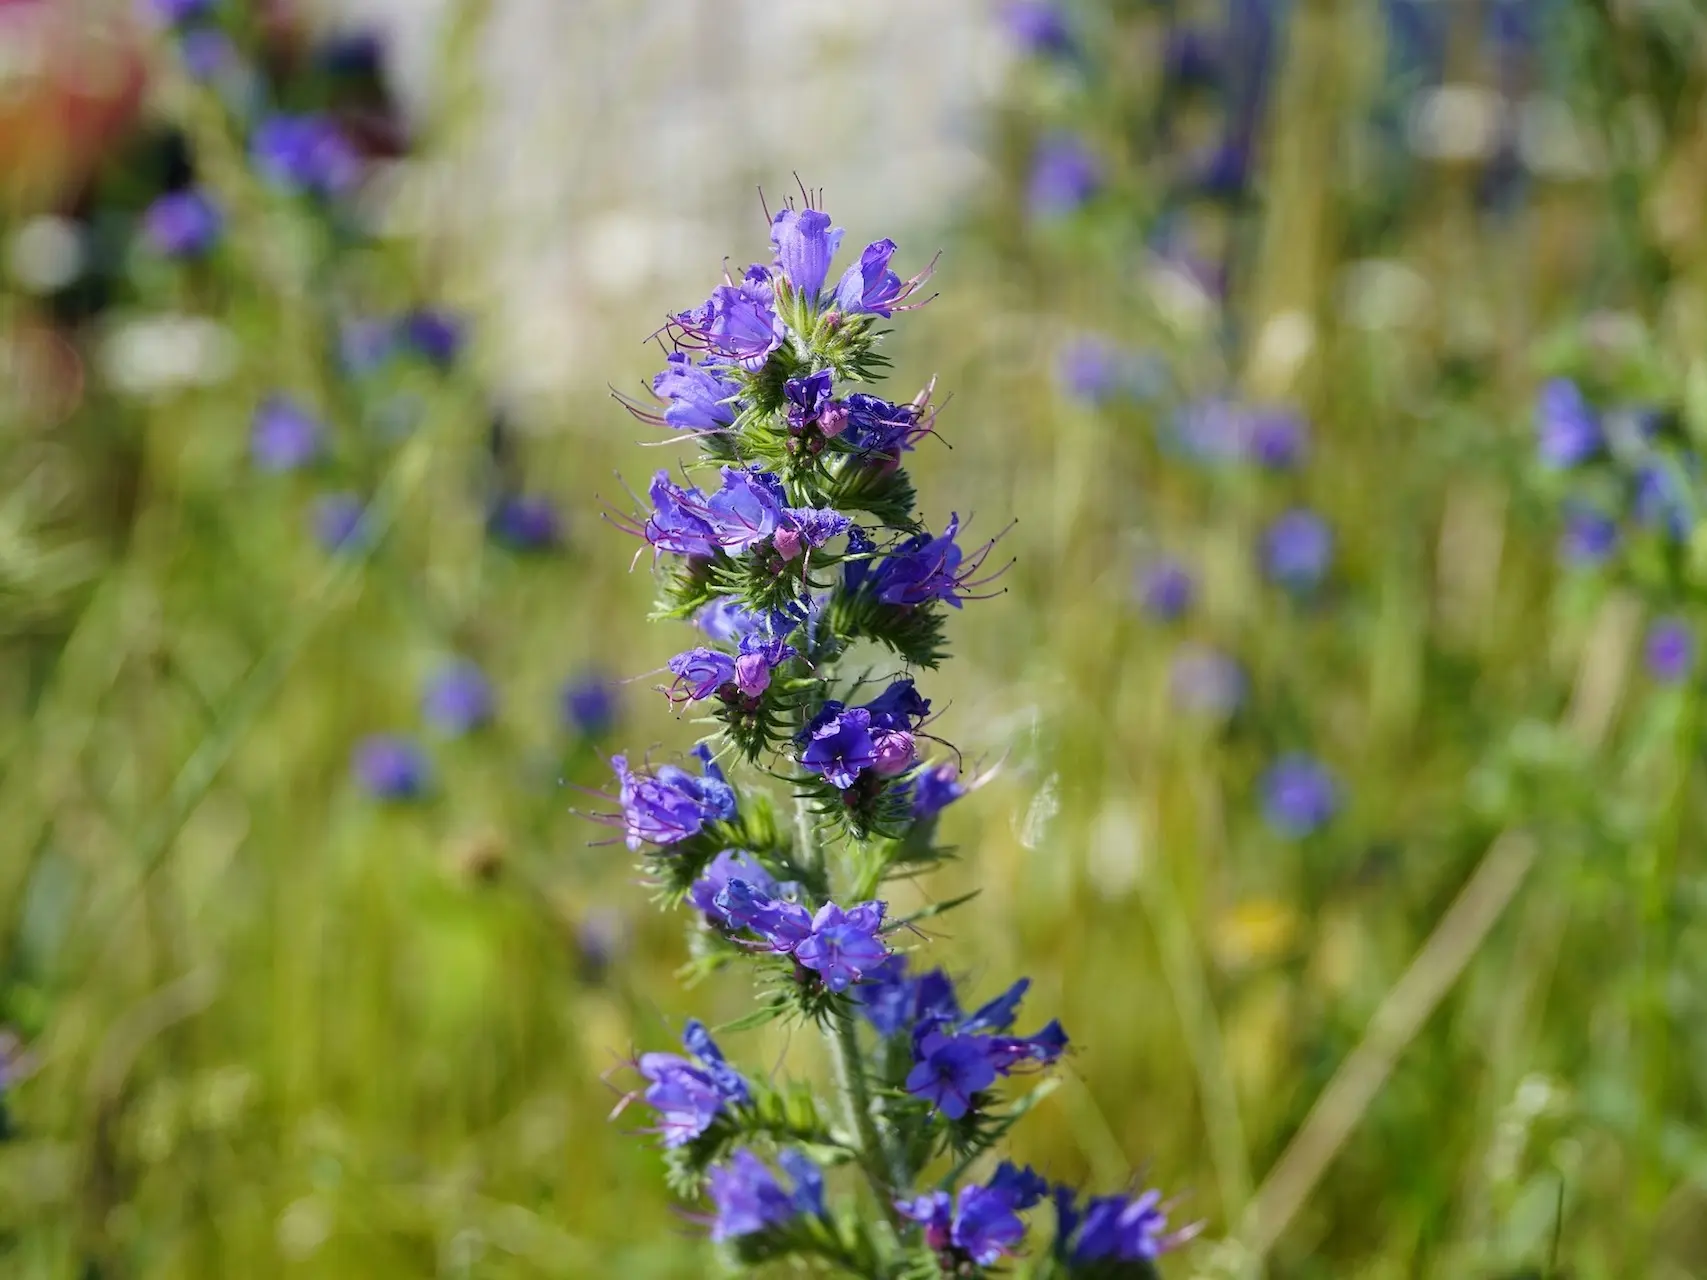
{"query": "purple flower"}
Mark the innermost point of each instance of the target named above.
(673, 524)
(731, 864)
(727, 621)
(1663, 499)
(1213, 431)
(987, 1226)
(923, 569)
(759, 657)
(900, 706)
(935, 1213)
(870, 286)
(1297, 549)
(175, 12)
(207, 53)
(1276, 438)
(1206, 682)
(998, 1014)
(1590, 536)
(738, 322)
(600, 937)
(305, 153)
(807, 528)
(844, 944)
(690, 1093)
(525, 522)
(875, 426)
(1670, 650)
(1008, 1053)
(283, 436)
(749, 1199)
(1567, 430)
(746, 510)
(700, 399)
(699, 674)
(936, 788)
(589, 705)
(458, 698)
(838, 744)
(390, 767)
(1065, 173)
(805, 243)
(340, 522)
(1299, 796)
(671, 805)
(896, 752)
(436, 336)
(1036, 26)
(1089, 369)
(1114, 1228)
(365, 343)
(949, 1070)
(182, 224)
(1166, 590)
(780, 925)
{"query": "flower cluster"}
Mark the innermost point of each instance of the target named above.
(792, 545)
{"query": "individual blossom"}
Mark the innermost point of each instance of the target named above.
(1663, 498)
(808, 397)
(923, 569)
(700, 673)
(738, 322)
(837, 744)
(1036, 26)
(779, 924)
(390, 767)
(731, 864)
(806, 529)
(1567, 429)
(727, 621)
(1065, 173)
(458, 698)
(1297, 550)
(805, 243)
(1166, 589)
(365, 343)
(985, 1226)
(182, 224)
(675, 523)
(699, 397)
(283, 436)
(1590, 536)
(690, 1093)
(1670, 650)
(956, 1057)
(760, 655)
(872, 425)
(749, 1200)
(525, 522)
(1276, 438)
(671, 805)
(589, 705)
(340, 522)
(746, 511)
(949, 1072)
(844, 943)
(934, 789)
(436, 336)
(1299, 796)
(870, 287)
(1111, 1229)
(307, 154)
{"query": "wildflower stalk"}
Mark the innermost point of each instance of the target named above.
(808, 550)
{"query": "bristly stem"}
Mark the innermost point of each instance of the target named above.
(841, 1035)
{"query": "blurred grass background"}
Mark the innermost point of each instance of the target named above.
(276, 1027)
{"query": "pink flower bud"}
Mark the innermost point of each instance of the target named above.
(788, 543)
(752, 673)
(832, 419)
(895, 752)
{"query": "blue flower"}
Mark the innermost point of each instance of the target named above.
(390, 767)
(699, 674)
(182, 224)
(726, 620)
(1590, 536)
(1114, 1228)
(1299, 795)
(1297, 549)
(674, 524)
(458, 698)
(525, 522)
(1213, 431)
(1036, 26)
(670, 805)
(340, 522)
(207, 53)
(690, 1093)
(749, 1199)
(923, 569)
(746, 510)
(874, 426)
(987, 1225)
(742, 907)
(283, 436)
(936, 788)
(365, 343)
(738, 322)
(1663, 499)
(807, 528)
(176, 12)
(1276, 438)
(436, 336)
(844, 944)
(869, 286)
(838, 744)
(589, 705)
(900, 706)
(1065, 173)
(1670, 650)
(1090, 369)
(1567, 429)
(949, 1070)
(306, 154)
(731, 864)
(1166, 590)
(700, 398)
(805, 243)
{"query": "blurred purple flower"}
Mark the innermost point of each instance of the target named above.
(1589, 538)
(526, 522)
(182, 224)
(1277, 438)
(1166, 589)
(390, 767)
(1065, 173)
(589, 705)
(305, 153)
(458, 698)
(1297, 550)
(340, 522)
(283, 436)
(436, 336)
(207, 53)
(1299, 795)
(1036, 26)
(1670, 650)
(1567, 429)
